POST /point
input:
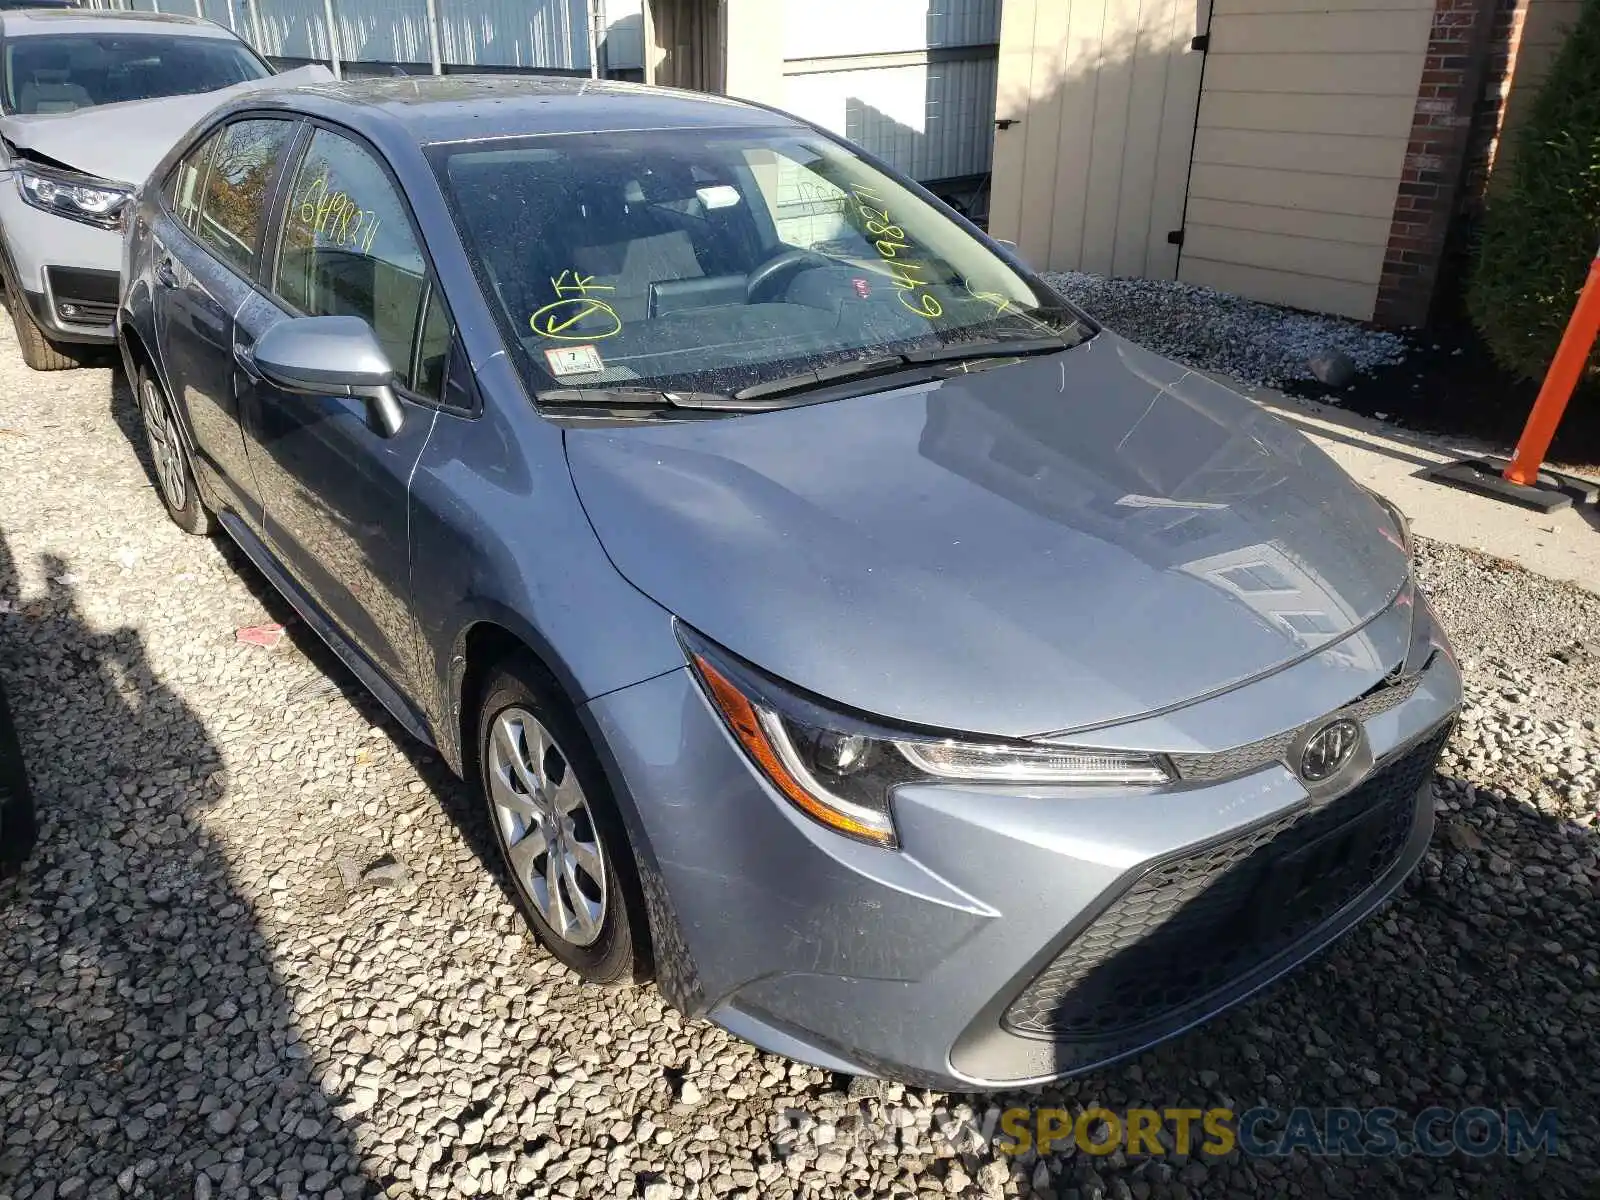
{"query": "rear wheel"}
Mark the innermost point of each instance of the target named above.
(558, 828)
(168, 458)
(38, 351)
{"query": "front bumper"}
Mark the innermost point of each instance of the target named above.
(66, 272)
(1018, 935)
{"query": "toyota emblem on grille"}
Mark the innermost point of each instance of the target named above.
(1328, 749)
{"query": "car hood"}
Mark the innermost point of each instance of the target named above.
(123, 142)
(1039, 547)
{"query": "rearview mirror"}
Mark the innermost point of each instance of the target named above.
(337, 356)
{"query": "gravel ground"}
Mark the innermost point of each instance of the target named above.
(1212, 331)
(259, 955)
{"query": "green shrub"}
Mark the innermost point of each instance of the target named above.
(1543, 223)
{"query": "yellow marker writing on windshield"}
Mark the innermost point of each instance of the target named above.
(890, 241)
(573, 306)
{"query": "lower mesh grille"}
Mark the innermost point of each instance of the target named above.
(91, 294)
(1190, 926)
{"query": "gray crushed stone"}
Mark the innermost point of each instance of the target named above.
(1258, 343)
(206, 992)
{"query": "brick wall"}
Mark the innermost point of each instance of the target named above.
(1488, 114)
(1436, 165)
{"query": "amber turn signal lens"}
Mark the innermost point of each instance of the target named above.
(747, 726)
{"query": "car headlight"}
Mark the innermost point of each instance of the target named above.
(842, 770)
(76, 197)
(1402, 526)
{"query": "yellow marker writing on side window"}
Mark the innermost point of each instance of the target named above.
(574, 305)
(333, 217)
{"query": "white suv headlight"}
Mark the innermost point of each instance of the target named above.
(76, 197)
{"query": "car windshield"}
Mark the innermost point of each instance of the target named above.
(65, 72)
(712, 260)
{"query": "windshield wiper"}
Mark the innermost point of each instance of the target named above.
(631, 397)
(995, 348)
(819, 377)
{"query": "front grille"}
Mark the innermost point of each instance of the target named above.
(1189, 927)
(1241, 760)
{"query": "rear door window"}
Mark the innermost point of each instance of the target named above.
(237, 188)
(186, 180)
(347, 249)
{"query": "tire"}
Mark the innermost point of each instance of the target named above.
(169, 460)
(520, 709)
(38, 351)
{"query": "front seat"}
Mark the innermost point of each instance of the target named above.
(636, 249)
(50, 92)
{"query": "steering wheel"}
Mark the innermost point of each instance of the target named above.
(777, 269)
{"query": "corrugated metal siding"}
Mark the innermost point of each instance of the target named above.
(534, 34)
(292, 28)
(829, 28)
(932, 121)
(624, 39)
(223, 13)
(383, 30)
(512, 33)
(912, 81)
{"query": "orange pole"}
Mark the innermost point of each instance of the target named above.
(1565, 371)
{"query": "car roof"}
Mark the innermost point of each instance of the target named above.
(456, 108)
(31, 22)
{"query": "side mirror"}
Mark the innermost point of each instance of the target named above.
(337, 356)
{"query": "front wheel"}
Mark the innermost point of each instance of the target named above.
(558, 828)
(38, 351)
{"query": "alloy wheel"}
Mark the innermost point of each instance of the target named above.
(162, 439)
(546, 827)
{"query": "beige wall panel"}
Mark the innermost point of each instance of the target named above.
(1105, 93)
(1391, 74)
(1330, 154)
(1375, 31)
(1113, 142)
(1544, 32)
(1368, 116)
(1348, 261)
(1282, 287)
(1018, 53)
(1068, 153)
(1242, 7)
(1262, 218)
(1184, 67)
(1294, 189)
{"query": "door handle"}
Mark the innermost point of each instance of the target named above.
(1005, 122)
(165, 275)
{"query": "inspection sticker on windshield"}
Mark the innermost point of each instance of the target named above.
(574, 360)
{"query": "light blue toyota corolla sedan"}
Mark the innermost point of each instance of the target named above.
(917, 678)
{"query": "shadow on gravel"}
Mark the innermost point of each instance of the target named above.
(145, 1036)
(459, 802)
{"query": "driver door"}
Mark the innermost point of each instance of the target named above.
(336, 492)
